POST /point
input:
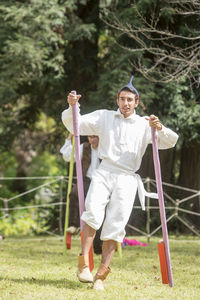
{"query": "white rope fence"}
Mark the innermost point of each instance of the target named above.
(32, 206)
(56, 179)
(174, 207)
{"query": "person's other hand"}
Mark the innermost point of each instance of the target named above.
(70, 136)
(154, 122)
(72, 99)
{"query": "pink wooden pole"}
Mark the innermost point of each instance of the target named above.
(161, 204)
(78, 162)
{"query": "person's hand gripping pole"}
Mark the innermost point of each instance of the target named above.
(73, 102)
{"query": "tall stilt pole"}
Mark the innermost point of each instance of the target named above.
(79, 173)
(166, 251)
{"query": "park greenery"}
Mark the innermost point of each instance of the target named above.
(50, 47)
(40, 268)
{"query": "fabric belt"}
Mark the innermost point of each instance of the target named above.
(142, 193)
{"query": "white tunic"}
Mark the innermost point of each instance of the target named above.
(122, 141)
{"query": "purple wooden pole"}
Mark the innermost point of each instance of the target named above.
(161, 204)
(78, 162)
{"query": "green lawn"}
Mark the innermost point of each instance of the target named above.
(39, 268)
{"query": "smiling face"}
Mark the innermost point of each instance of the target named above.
(127, 103)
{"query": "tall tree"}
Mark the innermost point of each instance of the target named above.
(44, 44)
(162, 38)
(163, 32)
(38, 58)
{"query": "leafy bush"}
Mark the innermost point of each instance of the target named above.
(22, 224)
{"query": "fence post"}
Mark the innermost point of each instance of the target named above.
(176, 207)
(148, 211)
(6, 207)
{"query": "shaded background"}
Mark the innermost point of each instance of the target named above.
(50, 47)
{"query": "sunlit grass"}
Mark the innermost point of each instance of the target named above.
(40, 269)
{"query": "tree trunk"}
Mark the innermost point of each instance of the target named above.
(190, 177)
(84, 64)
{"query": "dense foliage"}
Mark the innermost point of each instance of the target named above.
(49, 47)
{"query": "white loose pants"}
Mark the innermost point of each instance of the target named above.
(111, 195)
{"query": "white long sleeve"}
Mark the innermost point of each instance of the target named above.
(66, 150)
(122, 141)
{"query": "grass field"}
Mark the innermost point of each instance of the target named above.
(39, 268)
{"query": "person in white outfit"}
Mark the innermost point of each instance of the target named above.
(123, 139)
(90, 162)
(93, 140)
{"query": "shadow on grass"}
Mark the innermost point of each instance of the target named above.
(61, 283)
(36, 253)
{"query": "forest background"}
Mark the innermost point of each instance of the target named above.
(50, 47)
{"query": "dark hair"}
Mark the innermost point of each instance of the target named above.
(128, 90)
